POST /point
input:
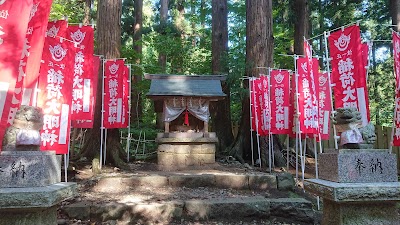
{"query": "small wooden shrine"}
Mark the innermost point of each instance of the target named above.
(184, 102)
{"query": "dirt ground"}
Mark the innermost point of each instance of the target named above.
(82, 174)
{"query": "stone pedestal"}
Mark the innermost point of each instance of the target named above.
(186, 152)
(29, 169)
(30, 187)
(357, 166)
(357, 203)
(358, 186)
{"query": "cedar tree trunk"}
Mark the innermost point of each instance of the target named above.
(221, 111)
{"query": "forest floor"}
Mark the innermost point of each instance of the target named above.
(87, 192)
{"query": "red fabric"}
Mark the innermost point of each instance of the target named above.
(186, 121)
(125, 102)
(364, 54)
(266, 106)
(93, 92)
(308, 107)
(396, 56)
(29, 64)
(55, 86)
(348, 71)
(13, 25)
(292, 107)
(83, 71)
(113, 73)
(257, 106)
(324, 105)
(280, 91)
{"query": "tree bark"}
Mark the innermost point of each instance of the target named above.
(259, 56)
(301, 25)
(136, 103)
(162, 58)
(108, 45)
(395, 14)
(221, 109)
(88, 6)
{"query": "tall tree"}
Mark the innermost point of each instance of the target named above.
(301, 25)
(162, 58)
(395, 13)
(136, 103)
(221, 110)
(259, 56)
(108, 45)
(88, 6)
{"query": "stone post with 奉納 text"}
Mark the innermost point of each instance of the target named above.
(31, 186)
(358, 184)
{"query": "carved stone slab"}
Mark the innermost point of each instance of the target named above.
(358, 166)
(29, 169)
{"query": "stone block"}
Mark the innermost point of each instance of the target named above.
(227, 208)
(357, 203)
(162, 212)
(204, 180)
(289, 208)
(358, 166)
(78, 210)
(36, 197)
(354, 192)
(42, 216)
(285, 182)
(383, 213)
(232, 181)
(29, 169)
(262, 182)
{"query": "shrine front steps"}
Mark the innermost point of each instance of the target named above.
(209, 196)
(233, 181)
(290, 210)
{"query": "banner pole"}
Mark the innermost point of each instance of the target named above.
(297, 122)
(287, 152)
(102, 117)
(316, 162)
(269, 118)
(65, 168)
(330, 85)
(128, 140)
(105, 146)
(251, 123)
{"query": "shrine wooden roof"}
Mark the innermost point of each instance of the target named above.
(205, 86)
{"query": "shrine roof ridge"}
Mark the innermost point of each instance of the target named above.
(185, 77)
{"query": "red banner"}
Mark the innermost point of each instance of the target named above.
(93, 92)
(257, 105)
(308, 104)
(348, 71)
(55, 87)
(83, 71)
(396, 56)
(113, 89)
(126, 96)
(265, 105)
(30, 58)
(14, 18)
(325, 105)
(30, 63)
(280, 91)
(292, 107)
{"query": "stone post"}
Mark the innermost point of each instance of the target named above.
(30, 187)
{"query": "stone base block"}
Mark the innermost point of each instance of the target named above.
(35, 205)
(384, 213)
(175, 156)
(29, 169)
(43, 216)
(358, 166)
(357, 203)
